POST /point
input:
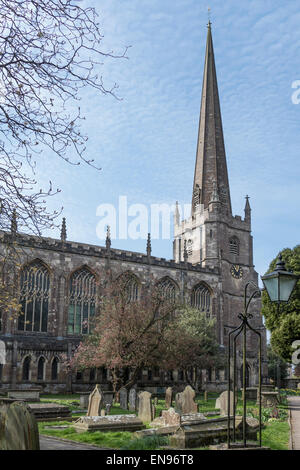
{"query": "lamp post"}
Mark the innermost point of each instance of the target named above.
(279, 285)
(243, 328)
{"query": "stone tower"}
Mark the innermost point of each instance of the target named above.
(212, 235)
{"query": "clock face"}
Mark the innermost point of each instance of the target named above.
(236, 271)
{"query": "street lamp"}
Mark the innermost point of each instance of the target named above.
(280, 283)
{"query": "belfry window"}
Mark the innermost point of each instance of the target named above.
(201, 298)
(167, 288)
(82, 300)
(34, 297)
(189, 247)
(234, 246)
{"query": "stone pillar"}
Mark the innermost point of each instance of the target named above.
(60, 306)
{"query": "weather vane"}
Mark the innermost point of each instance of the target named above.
(208, 15)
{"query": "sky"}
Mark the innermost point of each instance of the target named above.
(146, 142)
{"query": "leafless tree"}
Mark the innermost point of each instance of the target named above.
(49, 50)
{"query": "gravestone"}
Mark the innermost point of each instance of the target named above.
(18, 430)
(108, 423)
(205, 395)
(222, 402)
(84, 400)
(184, 401)
(31, 394)
(169, 397)
(95, 402)
(107, 398)
(132, 399)
(107, 408)
(146, 409)
(178, 400)
(124, 398)
(50, 411)
(170, 417)
(269, 399)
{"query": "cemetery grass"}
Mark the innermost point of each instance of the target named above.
(275, 434)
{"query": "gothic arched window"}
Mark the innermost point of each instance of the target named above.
(82, 300)
(26, 368)
(234, 246)
(130, 284)
(201, 298)
(167, 288)
(54, 369)
(34, 297)
(41, 368)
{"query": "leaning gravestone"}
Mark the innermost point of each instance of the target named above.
(95, 402)
(18, 427)
(169, 397)
(124, 398)
(132, 399)
(146, 409)
(185, 401)
(222, 402)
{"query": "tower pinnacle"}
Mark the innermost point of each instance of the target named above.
(210, 164)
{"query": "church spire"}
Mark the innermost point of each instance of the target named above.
(210, 164)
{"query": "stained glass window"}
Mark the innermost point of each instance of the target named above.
(168, 288)
(34, 297)
(131, 285)
(201, 298)
(82, 300)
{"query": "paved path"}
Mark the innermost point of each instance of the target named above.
(53, 443)
(294, 407)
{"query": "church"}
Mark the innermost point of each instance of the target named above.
(212, 261)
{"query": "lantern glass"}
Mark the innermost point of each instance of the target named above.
(271, 286)
(286, 287)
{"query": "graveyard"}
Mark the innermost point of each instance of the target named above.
(160, 426)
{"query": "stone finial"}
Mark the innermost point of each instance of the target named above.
(63, 231)
(14, 223)
(247, 209)
(108, 239)
(149, 249)
(177, 214)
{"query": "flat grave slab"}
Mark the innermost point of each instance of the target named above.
(128, 422)
(50, 411)
(32, 394)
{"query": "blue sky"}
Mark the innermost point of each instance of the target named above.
(146, 143)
